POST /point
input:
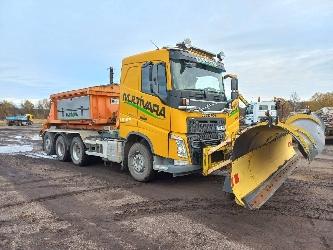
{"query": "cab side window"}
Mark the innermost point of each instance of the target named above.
(153, 79)
(161, 80)
(146, 80)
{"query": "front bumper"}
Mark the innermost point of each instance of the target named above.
(178, 170)
(168, 165)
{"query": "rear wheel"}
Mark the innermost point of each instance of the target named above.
(62, 149)
(140, 162)
(77, 151)
(48, 143)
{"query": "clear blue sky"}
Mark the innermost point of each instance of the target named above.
(275, 47)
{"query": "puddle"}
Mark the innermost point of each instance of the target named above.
(35, 138)
(15, 149)
(11, 140)
(40, 155)
(25, 150)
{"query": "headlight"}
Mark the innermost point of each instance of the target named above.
(181, 148)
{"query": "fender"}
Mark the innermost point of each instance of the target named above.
(143, 136)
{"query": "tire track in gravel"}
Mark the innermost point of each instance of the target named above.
(19, 183)
(90, 221)
(70, 193)
(296, 198)
(146, 208)
(281, 207)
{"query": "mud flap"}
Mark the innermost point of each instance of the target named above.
(264, 156)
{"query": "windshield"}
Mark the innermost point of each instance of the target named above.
(191, 75)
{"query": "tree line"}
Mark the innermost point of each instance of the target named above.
(39, 110)
(316, 102)
(293, 104)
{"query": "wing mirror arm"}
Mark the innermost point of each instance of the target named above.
(234, 85)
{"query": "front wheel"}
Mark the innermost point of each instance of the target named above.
(78, 154)
(140, 162)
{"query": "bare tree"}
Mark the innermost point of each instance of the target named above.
(27, 107)
(43, 108)
(7, 108)
(320, 100)
(295, 100)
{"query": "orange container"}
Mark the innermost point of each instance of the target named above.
(88, 108)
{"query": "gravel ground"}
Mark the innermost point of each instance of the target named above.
(46, 204)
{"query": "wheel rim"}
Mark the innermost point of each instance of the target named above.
(60, 149)
(138, 162)
(76, 152)
(47, 143)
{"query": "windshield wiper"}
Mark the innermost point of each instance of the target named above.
(212, 89)
(194, 89)
(195, 108)
(205, 89)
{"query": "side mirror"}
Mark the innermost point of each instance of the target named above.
(234, 95)
(234, 84)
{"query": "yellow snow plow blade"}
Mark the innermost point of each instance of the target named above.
(264, 156)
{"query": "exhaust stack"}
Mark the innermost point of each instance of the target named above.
(111, 75)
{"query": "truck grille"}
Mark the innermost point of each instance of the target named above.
(204, 125)
(204, 132)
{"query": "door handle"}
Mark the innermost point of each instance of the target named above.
(143, 118)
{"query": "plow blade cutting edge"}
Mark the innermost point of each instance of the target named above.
(264, 156)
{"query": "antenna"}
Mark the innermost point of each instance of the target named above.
(154, 44)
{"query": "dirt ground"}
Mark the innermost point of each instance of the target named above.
(46, 204)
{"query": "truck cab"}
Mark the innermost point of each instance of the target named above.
(173, 101)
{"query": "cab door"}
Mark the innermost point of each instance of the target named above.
(128, 112)
(153, 113)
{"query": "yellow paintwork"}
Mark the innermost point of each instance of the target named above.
(252, 156)
(262, 150)
(156, 130)
(293, 118)
(208, 166)
(30, 117)
(254, 168)
(175, 120)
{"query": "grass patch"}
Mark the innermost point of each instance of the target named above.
(39, 121)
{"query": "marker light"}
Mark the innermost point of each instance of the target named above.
(185, 101)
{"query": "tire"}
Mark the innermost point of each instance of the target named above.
(77, 152)
(61, 149)
(140, 162)
(49, 143)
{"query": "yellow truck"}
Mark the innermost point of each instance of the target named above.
(172, 115)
